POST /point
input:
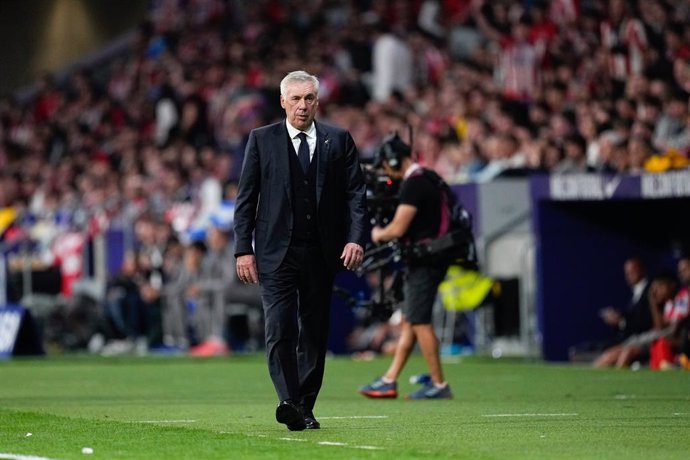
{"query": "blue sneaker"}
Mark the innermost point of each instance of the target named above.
(431, 391)
(380, 389)
(420, 379)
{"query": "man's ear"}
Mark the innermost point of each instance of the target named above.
(282, 101)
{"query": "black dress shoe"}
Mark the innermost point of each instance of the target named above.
(291, 415)
(311, 422)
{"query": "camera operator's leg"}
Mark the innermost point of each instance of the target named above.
(403, 349)
(429, 346)
(387, 386)
(420, 294)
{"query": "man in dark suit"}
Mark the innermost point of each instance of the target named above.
(636, 318)
(302, 194)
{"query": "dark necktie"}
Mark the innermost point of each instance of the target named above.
(303, 153)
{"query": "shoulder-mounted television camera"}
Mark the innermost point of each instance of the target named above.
(382, 190)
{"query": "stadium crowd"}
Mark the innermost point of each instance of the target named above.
(152, 141)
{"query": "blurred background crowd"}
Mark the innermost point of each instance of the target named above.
(151, 143)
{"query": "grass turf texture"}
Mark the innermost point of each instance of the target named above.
(180, 408)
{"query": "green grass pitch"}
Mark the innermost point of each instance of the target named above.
(182, 408)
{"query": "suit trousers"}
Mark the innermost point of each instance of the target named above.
(297, 302)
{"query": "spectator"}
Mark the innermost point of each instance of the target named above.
(636, 316)
(575, 160)
(639, 151)
(518, 67)
(219, 295)
(672, 130)
(378, 328)
(126, 319)
(392, 64)
(637, 346)
(624, 41)
(632, 319)
(180, 302)
(672, 323)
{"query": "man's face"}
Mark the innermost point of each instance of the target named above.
(300, 102)
(633, 272)
(390, 172)
(684, 271)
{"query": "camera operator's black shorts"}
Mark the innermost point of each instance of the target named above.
(420, 289)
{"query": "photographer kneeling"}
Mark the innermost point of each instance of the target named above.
(418, 217)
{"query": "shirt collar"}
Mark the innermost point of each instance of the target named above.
(413, 167)
(293, 132)
(638, 289)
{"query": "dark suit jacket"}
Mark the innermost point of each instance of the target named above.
(264, 200)
(638, 317)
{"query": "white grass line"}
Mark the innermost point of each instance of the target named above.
(354, 417)
(7, 456)
(165, 421)
(680, 413)
(564, 414)
(333, 443)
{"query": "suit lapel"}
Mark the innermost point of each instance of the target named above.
(281, 158)
(323, 146)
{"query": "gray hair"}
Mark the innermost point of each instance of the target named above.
(299, 76)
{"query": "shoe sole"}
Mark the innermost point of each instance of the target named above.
(409, 398)
(380, 394)
(290, 417)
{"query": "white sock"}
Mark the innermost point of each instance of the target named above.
(441, 385)
(387, 380)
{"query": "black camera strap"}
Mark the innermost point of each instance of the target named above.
(454, 240)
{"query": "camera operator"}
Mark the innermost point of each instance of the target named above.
(417, 218)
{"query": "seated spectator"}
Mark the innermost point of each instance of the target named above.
(179, 303)
(368, 340)
(378, 330)
(672, 323)
(125, 318)
(632, 319)
(219, 294)
(639, 151)
(636, 317)
(637, 346)
(672, 131)
(575, 161)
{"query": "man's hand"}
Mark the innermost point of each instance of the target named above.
(376, 234)
(404, 214)
(610, 316)
(193, 290)
(352, 256)
(246, 269)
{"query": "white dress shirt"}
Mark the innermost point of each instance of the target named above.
(311, 138)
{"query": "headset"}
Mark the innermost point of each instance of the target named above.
(392, 151)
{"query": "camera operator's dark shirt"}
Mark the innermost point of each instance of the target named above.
(420, 191)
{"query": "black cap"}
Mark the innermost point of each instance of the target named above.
(392, 150)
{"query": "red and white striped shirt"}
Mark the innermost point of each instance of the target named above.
(518, 69)
(626, 43)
